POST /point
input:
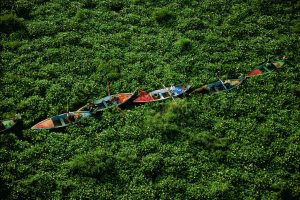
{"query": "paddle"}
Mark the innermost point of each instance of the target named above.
(223, 84)
(168, 89)
(218, 78)
(108, 88)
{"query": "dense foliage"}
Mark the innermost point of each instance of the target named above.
(56, 55)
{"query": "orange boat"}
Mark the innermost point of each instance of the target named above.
(60, 121)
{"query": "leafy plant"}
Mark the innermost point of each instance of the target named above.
(183, 44)
(163, 15)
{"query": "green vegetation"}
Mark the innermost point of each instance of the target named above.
(183, 44)
(57, 55)
(10, 23)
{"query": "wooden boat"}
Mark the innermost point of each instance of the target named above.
(162, 94)
(107, 102)
(219, 86)
(9, 123)
(267, 67)
(226, 85)
(60, 121)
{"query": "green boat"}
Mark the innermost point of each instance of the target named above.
(267, 67)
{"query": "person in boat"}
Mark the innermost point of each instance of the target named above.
(113, 100)
(155, 96)
(91, 107)
(70, 117)
(229, 83)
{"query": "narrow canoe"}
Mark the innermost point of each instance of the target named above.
(60, 121)
(219, 86)
(226, 85)
(162, 94)
(267, 68)
(107, 102)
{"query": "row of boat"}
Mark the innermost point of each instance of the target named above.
(117, 100)
(139, 97)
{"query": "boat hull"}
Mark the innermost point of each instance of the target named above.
(107, 102)
(227, 85)
(60, 121)
(263, 69)
(218, 86)
(162, 94)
